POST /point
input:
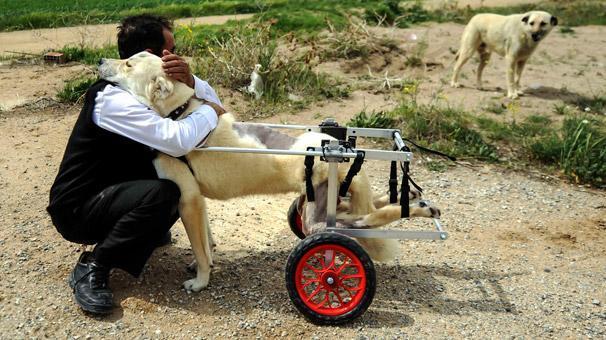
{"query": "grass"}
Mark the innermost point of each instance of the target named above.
(309, 15)
(229, 62)
(89, 55)
(577, 148)
(74, 89)
(379, 120)
(594, 104)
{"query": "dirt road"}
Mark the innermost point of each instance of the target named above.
(525, 258)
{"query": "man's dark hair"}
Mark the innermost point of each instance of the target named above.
(140, 32)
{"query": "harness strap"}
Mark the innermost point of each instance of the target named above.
(309, 187)
(184, 160)
(429, 150)
(404, 190)
(353, 171)
(393, 181)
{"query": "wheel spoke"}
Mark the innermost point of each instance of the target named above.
(321, 303)
(321, 260)
(336, 292)
(352, 276)
(308, 266)
(308, 282)
(314, 293)
(345, 264)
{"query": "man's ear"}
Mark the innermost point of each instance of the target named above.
(161, 88)
(554, 21)
(525, 19)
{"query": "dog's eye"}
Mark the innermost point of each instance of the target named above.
(128, 64)
(532, 23)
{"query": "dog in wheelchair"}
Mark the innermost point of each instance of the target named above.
(223, 175)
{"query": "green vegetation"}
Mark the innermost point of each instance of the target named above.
(74, 89)
(309, 15)
(88, 55)
(379, 120)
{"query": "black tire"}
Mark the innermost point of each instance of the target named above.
(333, 278)
(293, 219)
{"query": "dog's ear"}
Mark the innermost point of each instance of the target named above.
(160, 88)
(526, 18)
(554, 21)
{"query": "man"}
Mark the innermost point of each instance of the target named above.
(106, 191)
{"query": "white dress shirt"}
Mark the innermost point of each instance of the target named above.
(119, 112)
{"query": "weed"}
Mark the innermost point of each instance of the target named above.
(89, 55)
(495, 107)
(566, 30)
(230, 61)
(417, 56)
(74, 89)
(379, 120)
(561, 109)
(436, 166)
(595, 103)
(583, 155)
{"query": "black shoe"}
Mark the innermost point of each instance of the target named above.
(166, 240)
(88, 281)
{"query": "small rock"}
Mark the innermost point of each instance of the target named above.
(596, 302)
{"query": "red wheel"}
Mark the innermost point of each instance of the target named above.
(294, 218)
(330, 278)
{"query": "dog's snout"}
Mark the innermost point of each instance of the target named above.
(536, 36)
(101, 61)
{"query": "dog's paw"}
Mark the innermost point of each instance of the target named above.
(198, 283)
(512, 95)
(520, 93)
(414, 194)
(455, 84)
(425, 209)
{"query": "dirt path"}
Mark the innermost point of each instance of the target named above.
(525, 257)
(39, 40)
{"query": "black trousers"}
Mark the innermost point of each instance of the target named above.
(126, 221)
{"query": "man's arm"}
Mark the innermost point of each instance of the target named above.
(119, 112)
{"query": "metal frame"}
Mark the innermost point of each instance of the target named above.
(333, 154)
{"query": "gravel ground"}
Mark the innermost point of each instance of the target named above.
(525, 258)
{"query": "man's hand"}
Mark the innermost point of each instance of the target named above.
(177, 68)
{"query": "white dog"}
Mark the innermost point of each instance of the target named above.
(515, 37)
(228, 175)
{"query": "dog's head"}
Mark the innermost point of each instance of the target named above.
(143, 76)
(537, 24)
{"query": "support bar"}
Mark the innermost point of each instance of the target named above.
(391, 233)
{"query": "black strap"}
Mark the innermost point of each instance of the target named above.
(353, 171)
(404, 190)
(309, 187)
(393, 181)
(429, 150)
(184, 160)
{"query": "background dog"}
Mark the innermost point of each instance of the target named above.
(228, 175)
(515, 37)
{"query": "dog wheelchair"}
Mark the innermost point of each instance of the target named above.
(329, 276)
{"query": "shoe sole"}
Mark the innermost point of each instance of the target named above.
(86, 306)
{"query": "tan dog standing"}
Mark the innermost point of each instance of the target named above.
(514, 37)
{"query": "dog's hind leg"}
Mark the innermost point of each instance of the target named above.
(469, 44)
(519, 68)
(484, 57)
(388, 214)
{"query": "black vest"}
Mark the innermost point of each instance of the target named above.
(95, 159)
